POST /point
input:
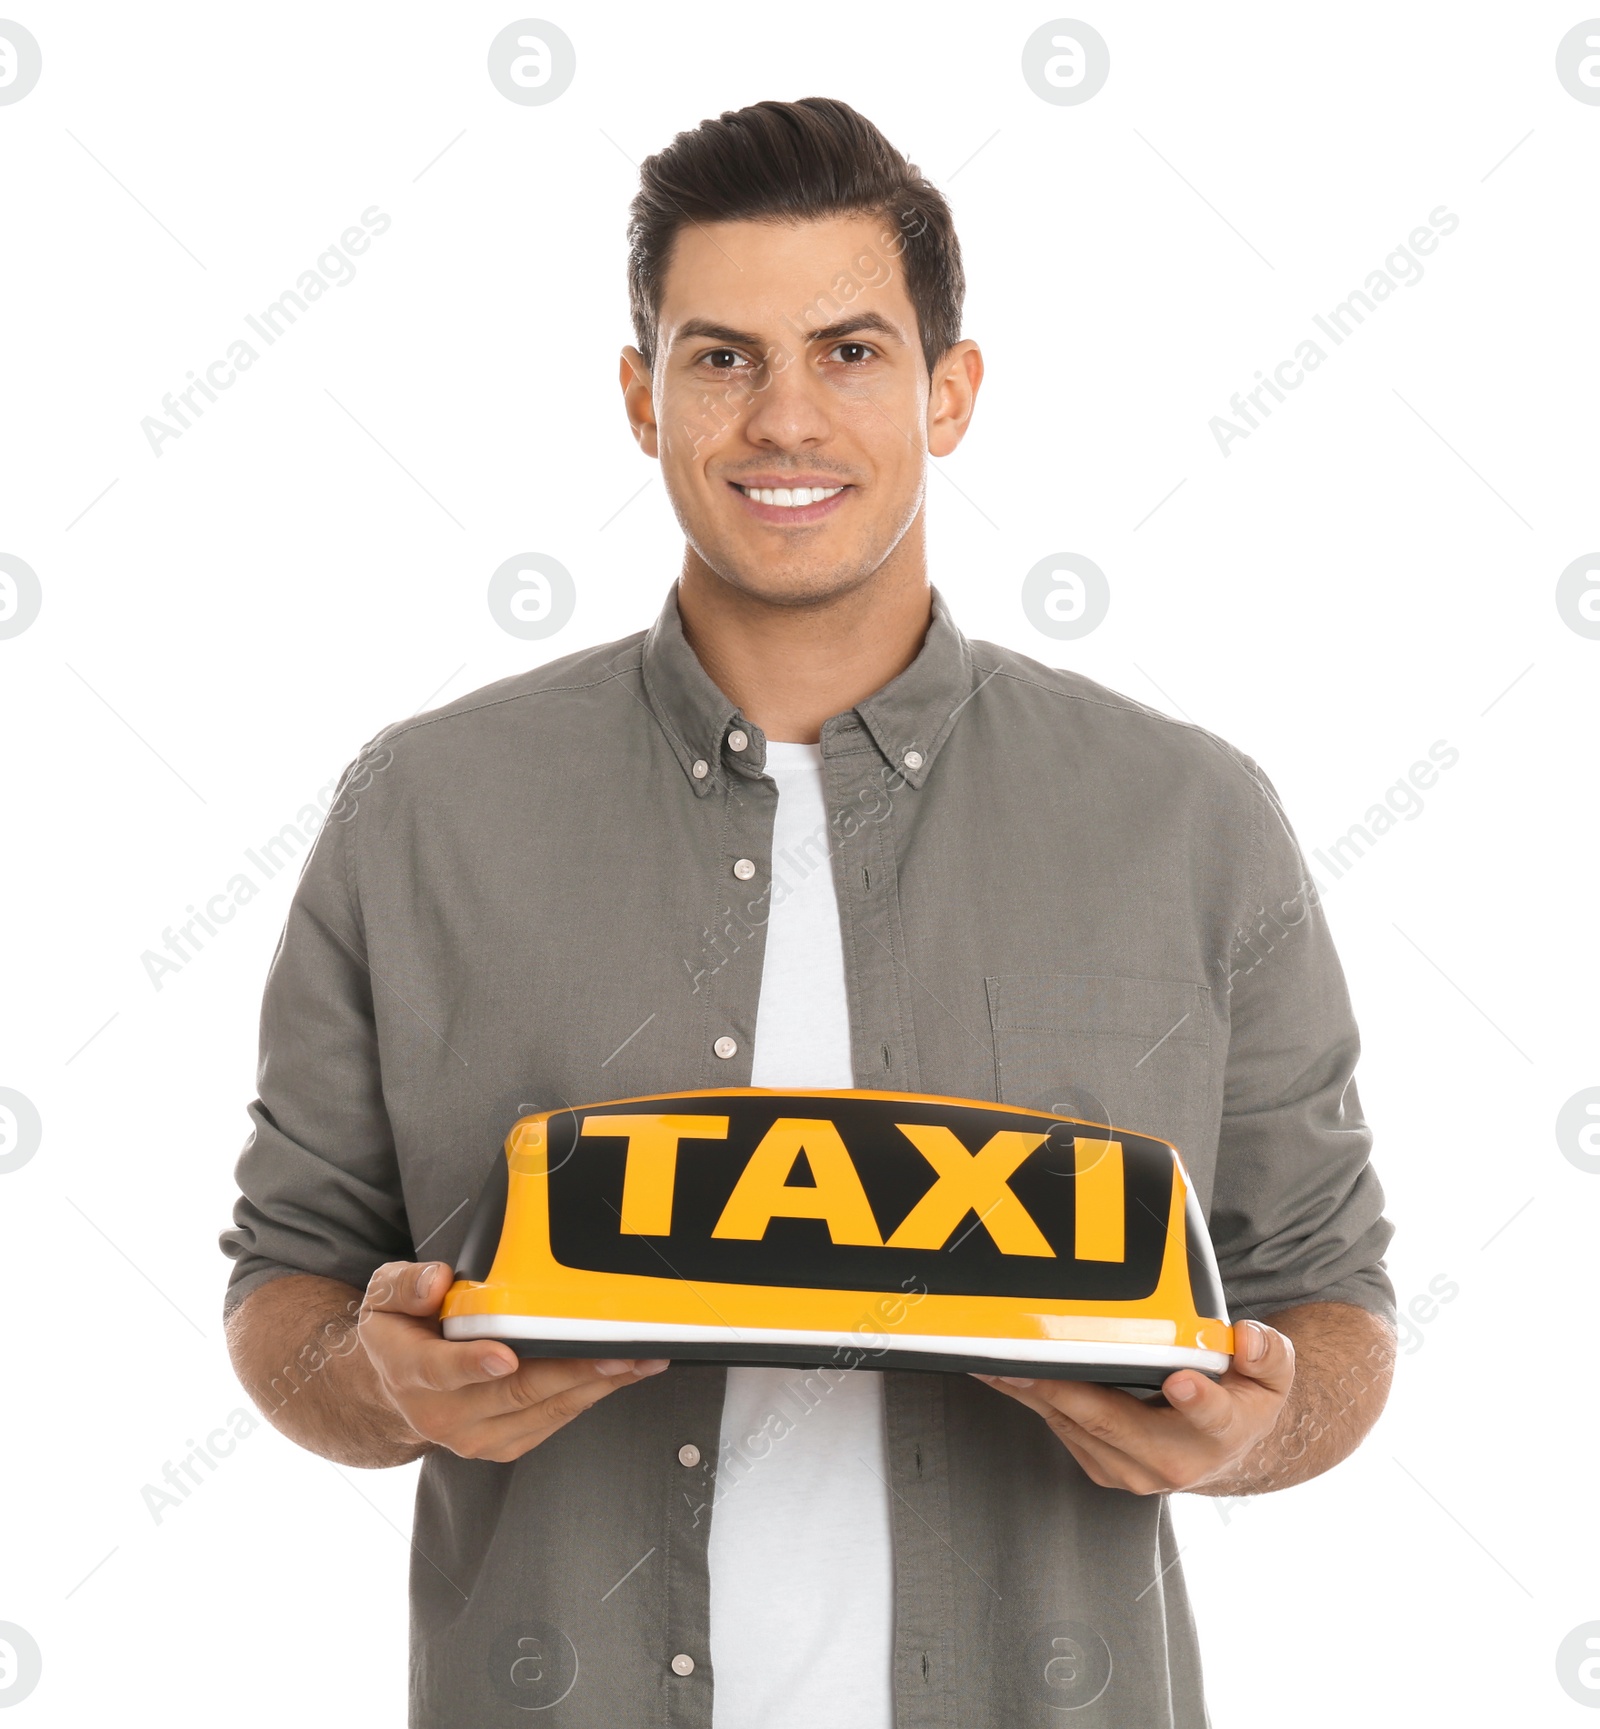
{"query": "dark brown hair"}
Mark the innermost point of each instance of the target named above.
(794, 162)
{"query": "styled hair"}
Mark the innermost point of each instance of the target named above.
(794, 162)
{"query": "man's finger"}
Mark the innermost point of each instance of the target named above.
(491, 1379)
(408, 1288)
(1092, 1418)
(1102, 1463)
(1262, 1370)
(413, 1358)
(1208, 1407)
(508, 1435)
(1107, 1466)
(541, 1378)
(401, 1334)
(1261, 1353)
(1103, 1413)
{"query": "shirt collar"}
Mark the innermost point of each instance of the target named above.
(909, 719)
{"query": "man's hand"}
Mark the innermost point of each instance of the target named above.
(1265, 1424)
(1208, 1429)
(474, 1396)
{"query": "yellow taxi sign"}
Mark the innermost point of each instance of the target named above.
(757, 1225)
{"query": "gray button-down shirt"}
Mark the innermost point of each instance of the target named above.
(1050, 896)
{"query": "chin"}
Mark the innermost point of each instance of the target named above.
(791, 582)
(793, 587)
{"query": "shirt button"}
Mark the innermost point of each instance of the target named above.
(744, 869)
(689, 1454)
(683, 1664)
(702, 768)
(912, 759)
(738, 740)
(726, 1047)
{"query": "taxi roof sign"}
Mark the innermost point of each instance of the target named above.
(755, 1225)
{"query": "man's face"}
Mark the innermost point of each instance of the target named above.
(788, 357)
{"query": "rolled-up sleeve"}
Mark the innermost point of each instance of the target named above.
(1297, 1210)
(319, 1191)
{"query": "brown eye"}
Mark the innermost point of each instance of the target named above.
(854, 352)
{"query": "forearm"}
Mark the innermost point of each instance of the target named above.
(1344, 1361)
(297, 1354)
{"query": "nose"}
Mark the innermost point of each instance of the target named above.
(789, 408)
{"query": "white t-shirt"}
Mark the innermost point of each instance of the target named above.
(802, 1562)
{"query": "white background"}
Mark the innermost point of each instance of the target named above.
(224, 627)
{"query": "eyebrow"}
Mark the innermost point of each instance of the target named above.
(849, 326)
(706, 328)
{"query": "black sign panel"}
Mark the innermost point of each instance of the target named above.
(813, 1191)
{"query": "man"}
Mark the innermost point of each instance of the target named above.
(800, 833)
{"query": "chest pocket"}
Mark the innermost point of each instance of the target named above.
(1131, 1053)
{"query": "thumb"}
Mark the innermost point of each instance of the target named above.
(1263, 1354)
(408, 1288)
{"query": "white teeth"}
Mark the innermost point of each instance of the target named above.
(790, 497)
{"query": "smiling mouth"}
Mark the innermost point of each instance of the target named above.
(788, 497)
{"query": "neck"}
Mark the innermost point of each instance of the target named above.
(790, 667)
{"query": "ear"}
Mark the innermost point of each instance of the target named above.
(952, 396)
(639, 401)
